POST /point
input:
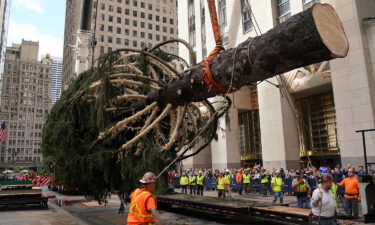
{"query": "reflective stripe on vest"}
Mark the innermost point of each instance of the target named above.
(184, 181)
(200, 180)
(264, 179)
(136, 214)
(246, 178)
(276, 182)
(220, 183)
(301, 187)
(227, 179)
(193, 180)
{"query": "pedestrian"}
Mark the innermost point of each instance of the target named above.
(220, 186)
(143, 203)
(246, 181)
(239, 181)
(184, 182)
(322, 203)
(264, 182)
(200, 183)
(193, 183)
(277, 184)
(302, 190)
(227, 182)
(352, 197)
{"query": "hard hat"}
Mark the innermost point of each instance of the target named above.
(227, 170)
(326, 177)
(200, 171)
(277, 171)
(298, 173)
(323, 170)
(148, 178)
(183, 173)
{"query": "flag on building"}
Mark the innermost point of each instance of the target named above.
(3, 132)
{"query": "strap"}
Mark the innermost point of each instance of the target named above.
(207, 74)
(134, 206)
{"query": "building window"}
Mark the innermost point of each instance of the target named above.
(101, 27)
(135, 33)
(127, 32)
(157, 18)
(150, 36)
(110, 8)
(118, 41)
(142, 24)
(250, 139)
(127, 12)
(142, 34)
(157, 37)
(222, 8)
(127, 21)
(109, 39)
(150, 26)
(171, 21)
(308, 3)
(318, 125)
(126, 42)
(149, 6)
(119, 10)
(165, 18)
(110, 29)
(247, 24)
(101, 38)
(109, 49)
(135, 23)
(171, 30)
(102, 6)
(283, 9)
(203, 28)
(118, 30)
(110, 18)
(150, 16)
(143, 15)
(135, 13)
(143, 5)
(191, 22)
(135, 3)
(135, 44)
(164, 29)
(119, 20)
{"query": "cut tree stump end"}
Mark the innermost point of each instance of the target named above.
(330, 29)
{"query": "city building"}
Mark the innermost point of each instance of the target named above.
(4, 22)
(116, 24)
(26, 101)
(56, 68)
(315, 114)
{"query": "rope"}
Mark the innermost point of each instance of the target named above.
(207, 74)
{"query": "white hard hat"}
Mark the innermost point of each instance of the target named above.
(148, 178)
(277, 171)
(227, 170)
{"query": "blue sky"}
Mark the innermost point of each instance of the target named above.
(38, 20)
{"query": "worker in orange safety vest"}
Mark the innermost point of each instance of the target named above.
(143, 204)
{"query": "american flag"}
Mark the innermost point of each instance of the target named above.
(3, 132)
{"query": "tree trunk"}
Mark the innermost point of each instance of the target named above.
(309, 37)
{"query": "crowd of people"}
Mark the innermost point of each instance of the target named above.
(301, 181)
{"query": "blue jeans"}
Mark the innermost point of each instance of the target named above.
(351, 207)
(303, 200)
(327, 222)
(240, 189)
(278, 195)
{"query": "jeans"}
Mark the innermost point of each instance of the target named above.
(221, 193)
(351, 207)
(264, 188)
(278, 195)
(184, 189)
(303, 200)
(200, 189)
(327, 221)
(193, 189)
(240, 189)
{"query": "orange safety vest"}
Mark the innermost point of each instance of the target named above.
(138, 212)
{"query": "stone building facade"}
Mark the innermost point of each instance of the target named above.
(26, 102)
(315, 115)
(120, 24)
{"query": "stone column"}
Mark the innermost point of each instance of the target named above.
(353, 82)
(280, 147)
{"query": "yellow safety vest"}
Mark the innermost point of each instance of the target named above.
(227, 179)
(193, 180)
(276, 182)
(264, 179)
(184, 181)
(200, 180)
(301, 187)
(246, 178)
(220, 183)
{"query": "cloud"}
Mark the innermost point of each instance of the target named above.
(47, 43)
(34, 5)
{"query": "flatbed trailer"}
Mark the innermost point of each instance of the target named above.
(21, 192)
(238, 207)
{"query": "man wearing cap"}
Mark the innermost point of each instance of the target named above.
(302, 191)
(246, 181)
(239, 181)
(193, 183)
(200, 183)
(322, 202)
(143, 204)
(352, 196)
(277, 184)
(227, 182)
(184, 182)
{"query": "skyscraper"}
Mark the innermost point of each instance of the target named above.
(56, 68)
(4, 22)
(119, 24)
(26, 101)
